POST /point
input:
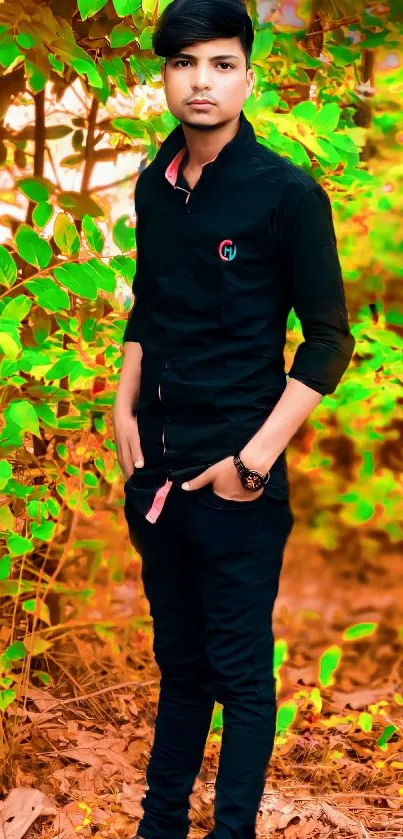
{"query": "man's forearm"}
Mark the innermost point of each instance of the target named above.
(294, 406)
(129, 382)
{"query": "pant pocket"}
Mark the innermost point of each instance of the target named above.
(208, 493)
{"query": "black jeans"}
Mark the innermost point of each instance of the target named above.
(210, 570)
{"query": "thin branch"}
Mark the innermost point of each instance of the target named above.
(39, 154)
(111, 185)
(54, 170)
(89, 146)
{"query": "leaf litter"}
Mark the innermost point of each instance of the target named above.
(81, 747)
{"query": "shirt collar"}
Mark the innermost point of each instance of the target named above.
(173, 149)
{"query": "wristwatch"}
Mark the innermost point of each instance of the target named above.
(249, 477)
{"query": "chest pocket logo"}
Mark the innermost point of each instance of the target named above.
(227, 250)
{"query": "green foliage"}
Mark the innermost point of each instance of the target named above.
(32, 248)
(286, 715)
(359, 630)
(328, 664)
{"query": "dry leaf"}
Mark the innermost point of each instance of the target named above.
(21, 808)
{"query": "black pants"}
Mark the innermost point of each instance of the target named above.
(210, 569)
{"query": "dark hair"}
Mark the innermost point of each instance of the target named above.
(185, 22)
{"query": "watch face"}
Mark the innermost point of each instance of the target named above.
(253, 480)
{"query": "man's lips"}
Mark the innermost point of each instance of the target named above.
(200, 102)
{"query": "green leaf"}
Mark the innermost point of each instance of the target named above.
(93, 234)
(66, 235)
(104, 277)
(56, 63)
(122, 35)
(365, 721)
(79, 205)
(145, 69)
(327, 119)
(17, 308)
(62, 367)
(359, 630)
(42, 676)
(8, 49)
(36, 79)
(15, 652)
(305, 110)
(149, 7)
(9, 346)
(32, 248)
(286, 715)
(23, 414)
(123, 236)
(280, 653)
(343, 55)
(387, 733)
(6, 698)
(44, 531)
(115, 68)
(78, 279)
(133, 127)
(48, 294)
(73, 160)
(125, 266)
(263, 43)
(5, 469)
(25, 40)
(76, 57)
(343, 142)
(126, 7)
(42, 214)
(37, 189)
(88, 8)
(8, 268)
(217, 720)
(329, 662)
(325, 151)
(5, 567)
(146, 37)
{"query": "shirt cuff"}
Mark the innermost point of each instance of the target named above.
(321, 366)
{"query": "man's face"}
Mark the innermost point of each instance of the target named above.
(213, 70)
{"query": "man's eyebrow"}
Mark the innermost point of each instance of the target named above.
(213, 57)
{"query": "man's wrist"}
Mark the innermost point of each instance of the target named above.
(255, 460)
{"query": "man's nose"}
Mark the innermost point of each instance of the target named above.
(201, 78)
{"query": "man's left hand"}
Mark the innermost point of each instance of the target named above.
(225, 480)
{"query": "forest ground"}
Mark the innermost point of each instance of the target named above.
(84, 743)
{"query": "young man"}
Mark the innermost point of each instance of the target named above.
(230, 237)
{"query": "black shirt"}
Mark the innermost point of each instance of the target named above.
(218, 270)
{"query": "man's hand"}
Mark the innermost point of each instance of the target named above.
(127, 440)
(226, 481)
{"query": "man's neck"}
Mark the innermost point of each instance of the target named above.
(204, 146)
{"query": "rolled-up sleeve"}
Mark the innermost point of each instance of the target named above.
(137, 316)
(315, 287)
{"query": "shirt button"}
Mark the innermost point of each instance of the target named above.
(167, 365)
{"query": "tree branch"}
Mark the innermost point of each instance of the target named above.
(39, 155)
